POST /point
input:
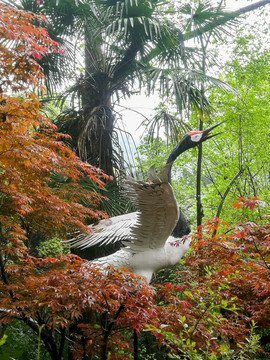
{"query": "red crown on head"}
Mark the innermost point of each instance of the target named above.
(194, 132)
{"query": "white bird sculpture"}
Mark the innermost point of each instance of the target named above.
(157, 235)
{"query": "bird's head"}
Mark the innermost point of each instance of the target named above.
(191, 140)
(194, 138)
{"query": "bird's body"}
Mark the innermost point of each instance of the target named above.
(145, 233)
(154, 237)
(149, 261)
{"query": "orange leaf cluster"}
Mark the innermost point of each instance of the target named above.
(249, 203)
(30, 147)
(22, 43)
(58, 293)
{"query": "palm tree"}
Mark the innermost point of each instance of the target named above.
(121, 44)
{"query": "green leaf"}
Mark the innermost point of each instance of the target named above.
(3, 340)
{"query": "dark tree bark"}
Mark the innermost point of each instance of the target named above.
(198, 182)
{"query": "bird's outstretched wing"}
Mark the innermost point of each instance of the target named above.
(107, 231)
(157, 213)
(147, 228)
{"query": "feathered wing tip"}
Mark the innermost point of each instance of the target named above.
(118, 228)
(133, 188)
(152, 175)
(78, 241)
(164, 172)
(162, 177)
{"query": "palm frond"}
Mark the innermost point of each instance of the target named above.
(171, 124)
(114, 201)
(185, 84)
(203, 16)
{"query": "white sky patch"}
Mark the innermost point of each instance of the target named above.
(134, 111)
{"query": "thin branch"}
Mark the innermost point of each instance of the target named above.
(2, 269)
(226, 192)
(45, 336)
(259, 252)
(109, 330)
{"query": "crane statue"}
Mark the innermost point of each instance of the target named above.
(157, 235)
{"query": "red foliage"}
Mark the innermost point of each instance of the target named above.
(56, 293)
(237, 272)
(26, 43)
(52, 294)
(249, 203)
(226, 287)
(30, 147)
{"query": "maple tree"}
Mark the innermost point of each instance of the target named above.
(224, 293)
(209, 311)
(52, 294)
(31, 149)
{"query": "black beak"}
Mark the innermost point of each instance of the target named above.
(207, 132)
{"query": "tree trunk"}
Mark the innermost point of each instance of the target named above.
(94, 142)
(95, 127)
(198, 182)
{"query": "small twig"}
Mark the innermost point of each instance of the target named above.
(226, 192)
(2, 267)
(109, 330)
(259, 252)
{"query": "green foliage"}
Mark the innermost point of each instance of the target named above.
(152, 153)
(245, 144)
(5, 350)
(146, 354)
(3, 340)
(188, 351)
(52, 248)
(20, 343)
(242, 148)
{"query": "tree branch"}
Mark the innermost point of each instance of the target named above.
(108, 331)
(2, 269)
(226, 192)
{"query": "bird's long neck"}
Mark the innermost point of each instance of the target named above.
(182, 226)
(178, 150)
